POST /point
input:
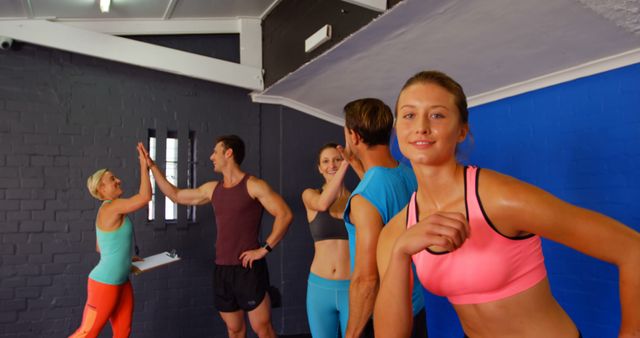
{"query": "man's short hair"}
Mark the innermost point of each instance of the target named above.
(371, 119)
(235, 143)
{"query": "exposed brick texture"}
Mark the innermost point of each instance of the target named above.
(62, 116)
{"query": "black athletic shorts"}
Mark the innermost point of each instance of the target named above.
(237, 288)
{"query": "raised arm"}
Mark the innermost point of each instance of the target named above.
(364, 281)
(322, 201)
(393, 303)
(529, 209)
(355, 163)
(123, 206)
(278, 208)
(197, 196)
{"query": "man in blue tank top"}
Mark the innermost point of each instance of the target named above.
(384, 189)
(241, 278)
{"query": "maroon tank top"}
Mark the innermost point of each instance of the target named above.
(237, 221)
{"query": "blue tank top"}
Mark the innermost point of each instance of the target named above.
(389, 191)
(115, 254)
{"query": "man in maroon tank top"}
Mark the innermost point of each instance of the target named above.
(241, 278)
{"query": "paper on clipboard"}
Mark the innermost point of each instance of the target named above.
(157, 260)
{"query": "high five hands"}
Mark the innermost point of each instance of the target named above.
(144, 156)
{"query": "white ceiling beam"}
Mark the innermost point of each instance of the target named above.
(374, 5)
(158, 27)
(64, 37)
(250, 42)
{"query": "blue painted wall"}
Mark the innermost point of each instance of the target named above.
(579, 140)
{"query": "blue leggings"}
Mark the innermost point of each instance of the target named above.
(327, 306)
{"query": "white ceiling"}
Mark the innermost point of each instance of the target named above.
(133, 9)
(494, 48)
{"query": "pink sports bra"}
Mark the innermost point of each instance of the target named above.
(488, 266)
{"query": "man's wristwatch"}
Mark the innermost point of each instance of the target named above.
(266, 246)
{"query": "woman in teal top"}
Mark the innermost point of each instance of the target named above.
(109, 292)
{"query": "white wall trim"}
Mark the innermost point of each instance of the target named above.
(586, 69)
(250, 42)
(158, 27)
(280, 100)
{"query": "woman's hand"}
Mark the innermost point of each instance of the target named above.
(142, 156)
(440, 232)
(349, 157)
(147, 157)
(135, 270)
(345, 162)
(346, 154)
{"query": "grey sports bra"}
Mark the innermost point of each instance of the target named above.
(324, 226)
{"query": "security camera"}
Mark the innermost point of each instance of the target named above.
(5, 43)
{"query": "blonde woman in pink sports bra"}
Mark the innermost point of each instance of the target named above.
(474, 234)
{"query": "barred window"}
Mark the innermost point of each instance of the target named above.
(171, 164)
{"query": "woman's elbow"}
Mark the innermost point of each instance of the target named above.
(631, 258)
(324, 206)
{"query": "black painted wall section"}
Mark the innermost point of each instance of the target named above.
(290, 141)
(62, 116)
(197, 44)
(286, 28)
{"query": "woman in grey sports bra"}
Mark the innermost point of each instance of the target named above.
(328, 287)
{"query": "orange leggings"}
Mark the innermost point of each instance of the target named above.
(106, 302)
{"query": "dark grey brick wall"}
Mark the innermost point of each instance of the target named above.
(62, 116)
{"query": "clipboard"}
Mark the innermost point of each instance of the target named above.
(156, 260)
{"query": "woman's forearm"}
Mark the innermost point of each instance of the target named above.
(393, 303)
(145, 182)
(332, 188)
